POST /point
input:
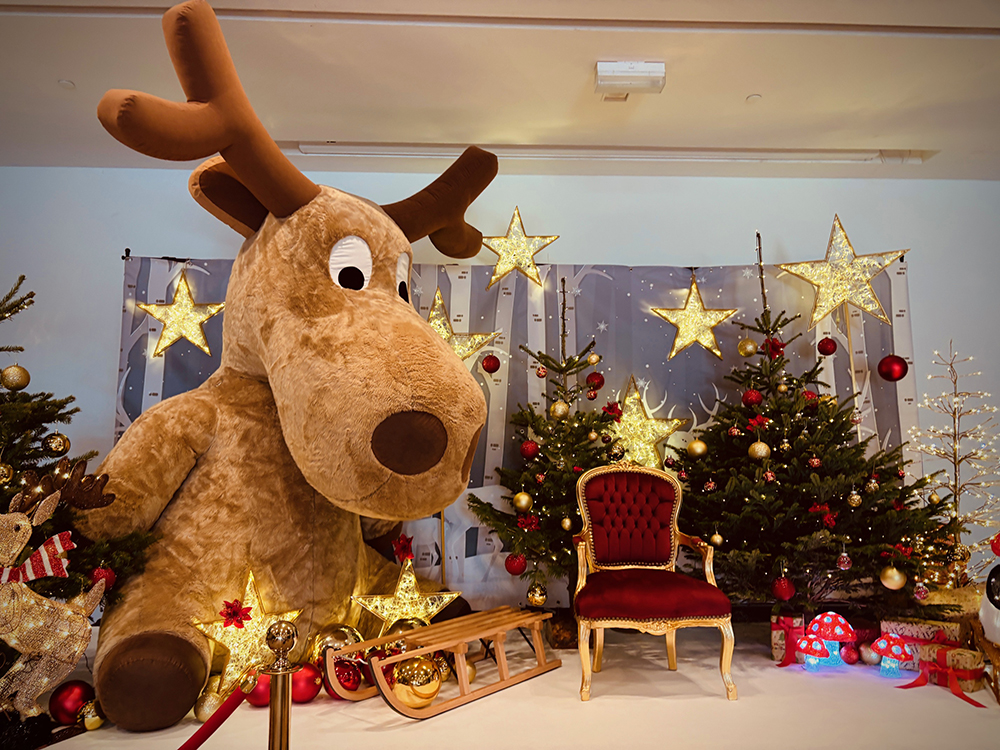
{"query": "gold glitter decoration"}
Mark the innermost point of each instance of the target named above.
(406, 601)
(843, 277)
(516, 251)
(638, 433)
(246, 645)
(694, 323)
(463, 344)
(182, 318)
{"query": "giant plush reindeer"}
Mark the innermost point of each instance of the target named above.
(333, 400)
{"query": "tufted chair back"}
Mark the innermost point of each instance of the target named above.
(632, 515)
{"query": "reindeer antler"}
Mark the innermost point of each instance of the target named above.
(217, 117)
(75, 487)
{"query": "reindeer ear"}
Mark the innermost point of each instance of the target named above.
(45, 509)
(219, 191)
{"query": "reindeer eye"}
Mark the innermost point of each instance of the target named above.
(403, 276)
(351, 263)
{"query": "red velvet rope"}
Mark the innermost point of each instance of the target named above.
(792, 635)
(954, 675)
(215, 721)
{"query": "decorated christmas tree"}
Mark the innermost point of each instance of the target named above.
(556, 447)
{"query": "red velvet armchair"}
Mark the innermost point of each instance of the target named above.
(627, 551)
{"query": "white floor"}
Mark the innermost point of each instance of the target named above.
(636, 703)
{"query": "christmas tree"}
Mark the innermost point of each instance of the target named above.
(799, 508)
(556, 448)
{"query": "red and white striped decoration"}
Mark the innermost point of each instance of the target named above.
(44, 561)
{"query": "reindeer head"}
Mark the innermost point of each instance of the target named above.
(15, 528)
(378, 413)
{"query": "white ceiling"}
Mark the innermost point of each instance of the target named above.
(395, 76)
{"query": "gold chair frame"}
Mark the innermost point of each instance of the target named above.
(669, 627)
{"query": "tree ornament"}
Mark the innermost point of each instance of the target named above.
(523, 502)
(529, 449)
(669, 462)
(892, 368)
(591, 395)
(849, 654)
(407, 600)
(6, 473)
(871, 486)
(747, 347)
(854, 500)
(752, 397)
(782, 589)
(773, 348)
(759, 451)
(306, 683)
(682, 475)
(416, 681)
(57, 444)
(596, 381)
(709, 486)
(103, 574)
(844, 562)
(14, 378)
(901, 473)
(694, 322)
(814, 462)
(491, 363)
(934, 498)
(516, 251)
(769, 476)
(606, 439)
(67, 700)
(716, 539)
(515, 564)
(592, 436)
(784, 445)
(734, 431)
(892, 577)
(559, 410)
(857, 417)
(537, 595)
(541, 371)
(697, 448)
(617, 453)
(639, 434)
(566, 523)
(593, 358)
(921, 592)
(826, 346)
(868, 656)
(539, 478)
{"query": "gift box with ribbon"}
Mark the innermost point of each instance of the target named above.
(919, 633)
(785, 631)
(959, 669)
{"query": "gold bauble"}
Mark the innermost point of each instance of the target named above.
(592, 436)
(6, 473)
(566, 523)
(759, 451)
(537, 595)
(334, 635)
(417, 682)
(697, 448)
(444, 667)
(91, 716)
(57, 444)
(14, 378)
(868, 656)
(747, 348)
(782, 388)
(593, 359)
(470, 670)
(934, 498)
(559, 410)
(871, 486)
(854, 500)
(892, 577)
(207, 705)
(716, 539)
(523, 502)
(400, 626)
(961, 554)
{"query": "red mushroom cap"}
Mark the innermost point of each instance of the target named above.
(892, 646)
(812, 645)
(831, 627)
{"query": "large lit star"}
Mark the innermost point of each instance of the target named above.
(407, 601)
(843, 277)
(638, 433)
(463, 344)
(245, 644)
(694, 322)
(516, 251)
(182, 318)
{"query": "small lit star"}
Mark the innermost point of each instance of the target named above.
(418, 291)
(407, 601)
(747, 273)
(182, 318)
(463, 344)
(577, 291)
(638, 433)
(694, 322)
(517, 251)
(602, 327)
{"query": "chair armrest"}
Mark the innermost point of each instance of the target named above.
(704, 549)
(580, 541)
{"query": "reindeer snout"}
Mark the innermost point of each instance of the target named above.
(410, 442)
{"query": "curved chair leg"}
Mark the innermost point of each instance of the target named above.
(584, 642)
(672, 650)
(598, 648)
(726, 660)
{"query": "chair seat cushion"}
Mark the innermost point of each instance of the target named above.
(643, 594)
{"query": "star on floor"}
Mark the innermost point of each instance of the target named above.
(638, 433)
(463, 344)
(246, 645)
(406, 601)
(694, 322)
(517, 251)
(182, 318)
(843, 277)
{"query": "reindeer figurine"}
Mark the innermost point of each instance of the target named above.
(334, 398)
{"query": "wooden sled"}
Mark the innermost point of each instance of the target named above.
(452, 636)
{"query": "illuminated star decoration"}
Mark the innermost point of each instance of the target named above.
(694, 322)
(843, 277)
(245, 644)
(407, 601)
(638, 433)
(182, 318)
(516, 251)
(463, 344)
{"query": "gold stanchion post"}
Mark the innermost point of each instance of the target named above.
(281, 639)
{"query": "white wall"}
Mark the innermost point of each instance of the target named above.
(66, 229)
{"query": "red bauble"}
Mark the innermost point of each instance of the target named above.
(815, 463)
(491, 363)
(849, 654)
(995, 545)
(892, 368)
(769, 476)
(306, 683)
(541, 371)
(596, 381)
(68, 699)
(348, 674)
(103, 574)
(773, 348)
(735, 431)
(260, 696)
(810, 395)
(515, 564)
(540, 478)
(783, 589)
(606, 439)
(752, 397)
(388, 671)
(591, 395)
(529, 449)
(682, 475)
(826, 346)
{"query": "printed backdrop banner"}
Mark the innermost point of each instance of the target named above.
(611, 305)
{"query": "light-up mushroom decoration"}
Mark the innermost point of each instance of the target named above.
(893, 649)
(833, 629)
(815, 651)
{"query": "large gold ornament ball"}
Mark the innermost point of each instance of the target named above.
(747, 348)
(444, 667)
(566, 523)
(934, 498)
(868, 656)
(207, 705)
(91, 716)
(281, 637)
(537, 595)
(57, 444)
(417, 682)
(892, 578)
(592, 436)
(758, 451)
(334, 635)
(523, 502)
(6, 473)
(593, 359)
(854, 500)
(559, 410)
(14, 378)
(697, 448)
(400, 626)
(716, 539)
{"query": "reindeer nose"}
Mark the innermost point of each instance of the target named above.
(409, 442)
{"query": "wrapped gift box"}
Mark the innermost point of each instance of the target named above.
(941, 661)
(919, 633)
(785, 631)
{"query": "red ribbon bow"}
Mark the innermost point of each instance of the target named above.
(44, 561)
(792, 635)
(954, 675)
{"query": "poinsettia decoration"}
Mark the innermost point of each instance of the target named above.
(234, 614)
(614, 409)
(402, 547)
